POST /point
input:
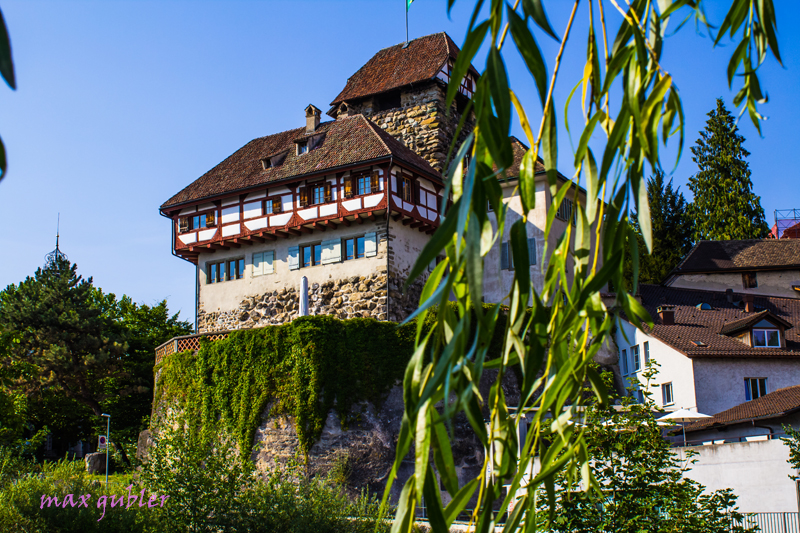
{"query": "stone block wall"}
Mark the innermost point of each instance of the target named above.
(356, 296)
(421, 123)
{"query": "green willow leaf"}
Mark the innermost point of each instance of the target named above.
(464, 60)
(535, 10)
(6, 62)
(529, 50)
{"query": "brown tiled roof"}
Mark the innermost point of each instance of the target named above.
(693, 325)
(748, 321)
(347, 141)
(774, 404)
(749, 254)
(397, 66)
(519, 149)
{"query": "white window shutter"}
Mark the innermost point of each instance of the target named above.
(258, 264)
(370, 245)
(294, 257)
(532, 250)
(269, 262)
(331, 251)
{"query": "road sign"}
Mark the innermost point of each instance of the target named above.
(102, 443)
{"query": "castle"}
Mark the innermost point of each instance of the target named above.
(347, 203)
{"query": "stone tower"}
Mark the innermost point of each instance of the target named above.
(403, 90)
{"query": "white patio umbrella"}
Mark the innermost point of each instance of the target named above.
(683, 416)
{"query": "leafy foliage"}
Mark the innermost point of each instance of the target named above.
(793, 442)
(69, 352)
(672, 229)
(724, 205)
(630, 97)
(641, 479)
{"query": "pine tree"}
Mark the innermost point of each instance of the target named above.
(61, 334)
(672, 231)
(724, 205)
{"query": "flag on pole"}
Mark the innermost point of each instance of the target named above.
(408, 4)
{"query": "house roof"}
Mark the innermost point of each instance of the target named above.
(347, 141)
(772, 405)
(401, 65)
(699, 333)
(749, 254)
(748, 321)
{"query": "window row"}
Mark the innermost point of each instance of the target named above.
(194, 222)
(633, 363)
(307, 255)
(507, 255)
(333, 251)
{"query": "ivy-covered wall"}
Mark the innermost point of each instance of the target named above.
(305, 368)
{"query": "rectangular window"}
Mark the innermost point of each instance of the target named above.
(637, 363)
(754, 388)
(318, 194)
(269, 207)
(348, 187)
(749, 280)
(407, 190)
(766, 338)
(198, 221)
(646, 352)
(302, 148)
(311, 255)
(263, 263)
(666, 394)
(362, 185)
(353, 248)
(506, 257)
(566, 211)
(225, 270)
(623, 362)
(374, 183)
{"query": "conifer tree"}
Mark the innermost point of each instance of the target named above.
(724, 206)
(672, 231)
(61, 334)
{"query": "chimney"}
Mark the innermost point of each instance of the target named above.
(312, 118)
(667, 314)
(749, 303)
(729, 295)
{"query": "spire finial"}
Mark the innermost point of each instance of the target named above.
(51, 258)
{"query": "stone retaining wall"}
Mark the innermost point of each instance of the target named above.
(356, 296)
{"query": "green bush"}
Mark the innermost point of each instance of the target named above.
(24, 507)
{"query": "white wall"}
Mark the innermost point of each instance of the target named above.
(756, 471)
(720, 381)
(227, 295)
(674, 367)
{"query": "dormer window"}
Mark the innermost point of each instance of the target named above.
(766, 338)
(302, 148)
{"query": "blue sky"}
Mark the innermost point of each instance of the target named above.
(120, 104)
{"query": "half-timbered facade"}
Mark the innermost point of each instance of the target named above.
(349, 204)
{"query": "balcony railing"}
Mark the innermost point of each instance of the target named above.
(186, 342)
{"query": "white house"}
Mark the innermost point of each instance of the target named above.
(714, 349)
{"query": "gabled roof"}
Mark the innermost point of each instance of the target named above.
(694, 326)
(772, 405)
(348, 141)
(401, 65)
(749, 254)
(748, 321)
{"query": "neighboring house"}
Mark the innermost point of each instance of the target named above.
(349, 203)
(715, 350)
(742, 448)
(762, 418)
(756, 266)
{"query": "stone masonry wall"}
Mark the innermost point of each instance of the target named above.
(356, 296)
(421, 123)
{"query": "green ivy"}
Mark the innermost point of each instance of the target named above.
(306, 368)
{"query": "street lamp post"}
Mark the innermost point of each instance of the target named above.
(108, 431)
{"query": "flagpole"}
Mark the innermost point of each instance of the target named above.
(406, 3)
